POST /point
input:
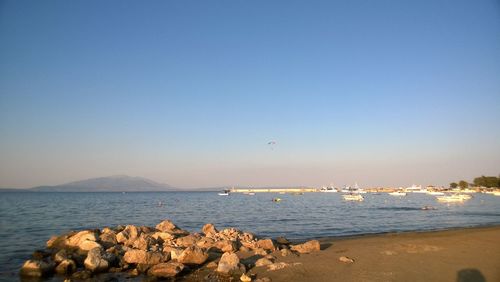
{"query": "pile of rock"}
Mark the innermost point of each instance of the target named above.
(163, 251)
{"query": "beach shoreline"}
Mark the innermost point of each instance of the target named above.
(459, 254)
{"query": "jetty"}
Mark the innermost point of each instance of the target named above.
(274, 190)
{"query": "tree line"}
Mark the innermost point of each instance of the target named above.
(482, 181)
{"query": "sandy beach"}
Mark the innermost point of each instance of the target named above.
(467, 255)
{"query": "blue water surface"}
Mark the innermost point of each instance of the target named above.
(27, 220)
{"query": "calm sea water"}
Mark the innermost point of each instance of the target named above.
(27, 220)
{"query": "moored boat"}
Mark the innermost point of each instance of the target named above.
(453, 198)
(353, 197)
(224, 193)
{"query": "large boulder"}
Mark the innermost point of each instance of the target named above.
(263, 262)
(193, 255)
(66, 266)
(144, 242)
(229, 262)
(187, 241)
(37, 268)
(57, 242)
(226, 246)
(169, 227)
(169, 269)
(108, 239)
(128, 235)
(307, 247)
(205, 243)
(97, 260)
(209, 229)
(266, 244)
(145, 257)
(87, 245)
(163, 236)
(77, 239)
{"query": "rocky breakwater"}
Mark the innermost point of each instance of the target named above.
(164, 251)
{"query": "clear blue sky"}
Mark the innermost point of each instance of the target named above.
(190, 92)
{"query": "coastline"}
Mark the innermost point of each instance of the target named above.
(459, 254)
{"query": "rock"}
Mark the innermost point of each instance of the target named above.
(187, 241)
(263, 262)
(134, 272)
(260, 251)
(107, 230)
(209, 229)
(244, 249)
(229, 262)
(266, 244)
(97, 260)
(36, 268)
(226, 246)
(164, 236)
(57, 242)
(82, 275)
(193, 255)
(128, 235)
(211, 264)
(169, 269)
(277, 266)
(87, 245)
(263, 279)
(282, 240)
(142, 267)
(108, 239)
(61, 255)
(66, 266)
(247, 237)
(145, 257)
(144, 242)
(307, 247)
(169, 227)
(205, 243)
(245, 278)
(77, 239)
(346, 259)
(286, 252)
(40, 254)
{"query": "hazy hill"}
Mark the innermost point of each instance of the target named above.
(119, 183)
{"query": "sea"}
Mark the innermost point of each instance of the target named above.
(28, 220)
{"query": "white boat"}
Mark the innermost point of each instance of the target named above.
(453, 198)
(435, 193)
(251, 194)
(328, 190)
(353, 197)
(416, 189)
(397, 193)
(468, 191)
(496, 193)
(224, 193)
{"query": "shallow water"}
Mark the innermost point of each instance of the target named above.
(27, 220)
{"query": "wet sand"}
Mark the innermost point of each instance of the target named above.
(454, 255)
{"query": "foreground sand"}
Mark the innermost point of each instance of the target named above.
(456, 255)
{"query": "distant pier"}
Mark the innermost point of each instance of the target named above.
(273, 190)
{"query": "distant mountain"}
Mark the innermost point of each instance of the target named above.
(118, 183)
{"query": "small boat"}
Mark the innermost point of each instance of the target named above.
(397, 193)
(328, 190)
(453, 198)
(276, 200)
(496, 193)
(251, 194)
(224, 193)
(353, 197)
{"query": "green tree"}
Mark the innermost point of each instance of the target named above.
(463, 184)
(453, 185)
